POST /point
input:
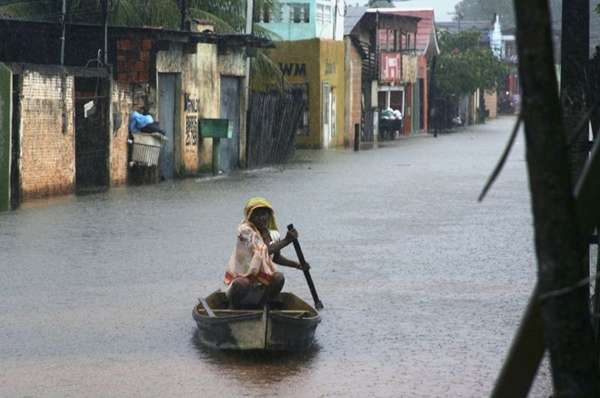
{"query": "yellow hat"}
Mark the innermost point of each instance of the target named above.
(255, 203)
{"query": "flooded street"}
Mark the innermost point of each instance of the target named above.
(423, 287)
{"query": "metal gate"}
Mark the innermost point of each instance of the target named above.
(91, 135)
(229, 149)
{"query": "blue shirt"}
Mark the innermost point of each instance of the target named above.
(137, 121)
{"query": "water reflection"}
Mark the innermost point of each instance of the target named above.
(256, 368)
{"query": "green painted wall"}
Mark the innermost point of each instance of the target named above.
(5, 135)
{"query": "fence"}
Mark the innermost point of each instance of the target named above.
(273, 121)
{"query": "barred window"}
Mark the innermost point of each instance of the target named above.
(299, 13)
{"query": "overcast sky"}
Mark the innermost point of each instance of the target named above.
(442, 7)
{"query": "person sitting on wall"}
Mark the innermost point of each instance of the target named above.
(251, 278)
(144, 122)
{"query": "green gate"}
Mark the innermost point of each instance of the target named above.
(5, 135)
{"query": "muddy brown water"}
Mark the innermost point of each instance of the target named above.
(423, 287)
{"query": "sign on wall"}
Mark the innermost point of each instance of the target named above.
(391, 67)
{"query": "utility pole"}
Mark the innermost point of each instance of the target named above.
(63, 17)
(244, 137)
(183, 8)
(335, 15)
(105, 21)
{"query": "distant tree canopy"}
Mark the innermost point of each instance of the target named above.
(226, 15)
(485, 9)
(464, 66)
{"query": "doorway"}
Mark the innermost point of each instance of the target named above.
(327, 125)
(167, 84)
(91, 134)
(229, 149)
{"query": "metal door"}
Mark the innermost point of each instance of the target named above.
(5, 135)
(229, 149)
(166, 118)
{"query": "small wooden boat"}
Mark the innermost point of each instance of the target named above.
(287, 324)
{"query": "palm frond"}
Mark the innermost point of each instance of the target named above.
(221, 25)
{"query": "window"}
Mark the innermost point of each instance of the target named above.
(390, 40)
(323, 13)
(278, 13)
(267, 14)
(299, 13)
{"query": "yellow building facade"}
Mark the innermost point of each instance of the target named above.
(316, 67)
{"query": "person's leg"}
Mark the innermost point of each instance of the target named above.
(152, 128)
(275, 287)
(237, 291)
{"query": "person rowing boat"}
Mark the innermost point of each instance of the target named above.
(251, 277)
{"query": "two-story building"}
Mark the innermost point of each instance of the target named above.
(310, 54)
(391, 65)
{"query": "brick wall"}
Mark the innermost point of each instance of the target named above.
(47, 164)
(133, 60)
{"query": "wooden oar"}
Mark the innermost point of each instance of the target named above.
(311, 285)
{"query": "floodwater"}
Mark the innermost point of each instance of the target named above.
(423, 287)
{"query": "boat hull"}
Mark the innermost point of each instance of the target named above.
(289, 326)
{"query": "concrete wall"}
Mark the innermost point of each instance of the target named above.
(491, 103)
(209, 97)
(200, 97)
(47, 165)
(121, 108)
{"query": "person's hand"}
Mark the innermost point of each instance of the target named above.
(291, 235)
(304, 267)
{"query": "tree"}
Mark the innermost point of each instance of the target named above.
(485, 9)
(226, 15)
(463, 67)
(559, 242)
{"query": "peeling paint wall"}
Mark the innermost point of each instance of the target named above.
(121, 108)
(232, 63)
(209, 96)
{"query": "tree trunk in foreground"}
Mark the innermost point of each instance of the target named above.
(559, 245)
(575, 54)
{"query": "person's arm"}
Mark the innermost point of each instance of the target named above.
(275, 247)
(133, 122)
(286, 262)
